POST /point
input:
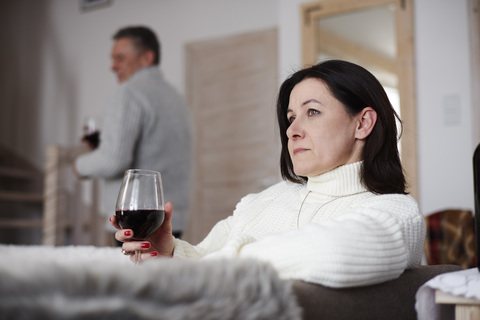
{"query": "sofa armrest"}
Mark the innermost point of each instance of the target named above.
(392, 300)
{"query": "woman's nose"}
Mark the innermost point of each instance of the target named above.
(295, 131)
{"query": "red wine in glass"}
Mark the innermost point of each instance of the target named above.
(142, 222)
(93, 139)
(91, 134)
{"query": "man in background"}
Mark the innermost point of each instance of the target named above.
(146, 126)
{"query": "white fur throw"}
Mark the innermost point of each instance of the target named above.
(38, 282)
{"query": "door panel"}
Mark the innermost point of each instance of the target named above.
(231, 88)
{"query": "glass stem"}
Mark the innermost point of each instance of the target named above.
(137, 257)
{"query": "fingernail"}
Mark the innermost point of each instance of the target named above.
(127, 233)
(145, 245)
(153, 254)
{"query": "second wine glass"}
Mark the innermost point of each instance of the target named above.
(140, 204)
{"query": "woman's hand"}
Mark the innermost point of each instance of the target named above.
(158, 244)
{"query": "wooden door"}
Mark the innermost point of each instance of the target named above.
(231, 88)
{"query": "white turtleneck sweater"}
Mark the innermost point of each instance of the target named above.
(331, 231)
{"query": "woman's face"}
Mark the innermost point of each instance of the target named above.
(321, 135)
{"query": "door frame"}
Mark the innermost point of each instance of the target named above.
(474, 32)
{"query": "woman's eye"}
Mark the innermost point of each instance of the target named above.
(290, 119)
(312, 112)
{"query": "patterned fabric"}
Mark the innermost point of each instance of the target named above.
(451, 238)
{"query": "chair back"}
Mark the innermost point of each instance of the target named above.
(476, 184)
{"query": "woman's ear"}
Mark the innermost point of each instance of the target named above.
(366, 122)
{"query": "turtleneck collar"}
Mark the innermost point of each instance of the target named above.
(339, 182)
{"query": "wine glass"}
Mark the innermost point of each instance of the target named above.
(91, 134)
(140, 204)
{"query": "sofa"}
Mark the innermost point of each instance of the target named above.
(83, 282)
(390, 300)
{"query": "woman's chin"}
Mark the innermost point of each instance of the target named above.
(304, 173)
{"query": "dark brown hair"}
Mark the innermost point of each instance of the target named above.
(143, 39)
(356, 88)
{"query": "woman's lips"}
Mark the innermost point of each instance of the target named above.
(299, 150)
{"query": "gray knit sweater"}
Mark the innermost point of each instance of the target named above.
(146, 126)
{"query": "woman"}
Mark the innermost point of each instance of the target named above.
(342, 216)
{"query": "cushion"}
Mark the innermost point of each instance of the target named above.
(391, 300)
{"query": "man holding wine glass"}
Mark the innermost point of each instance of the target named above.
(146, 125)
(342, 217)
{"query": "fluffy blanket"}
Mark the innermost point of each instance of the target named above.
(38, 282)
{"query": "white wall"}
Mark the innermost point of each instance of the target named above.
(290, 39)
(63, 58)
(445, 139)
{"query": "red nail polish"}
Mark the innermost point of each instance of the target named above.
(153, 254)
(145, 245)
(127, 233)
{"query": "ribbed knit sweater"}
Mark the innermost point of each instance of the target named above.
(146, 126)
(331, 231)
